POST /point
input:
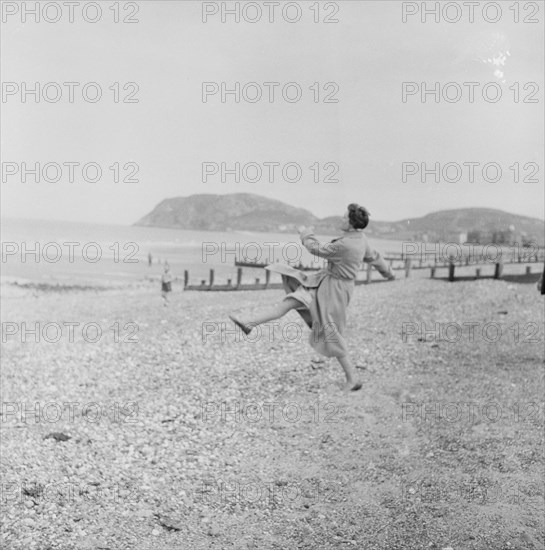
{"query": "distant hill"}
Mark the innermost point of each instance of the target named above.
(248, 212)
(237, 211)
(447, 225)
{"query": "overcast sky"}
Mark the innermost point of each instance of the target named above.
(369, 133)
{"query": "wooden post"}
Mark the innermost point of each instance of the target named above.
(186, 278)
(369, 274)
(432, 272)
(239, 276)
(498, 270)
(267, 278)
(477, 273)
(451, 272)
(211, 278)
(407, 267)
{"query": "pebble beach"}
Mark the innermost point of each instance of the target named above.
(159, 434)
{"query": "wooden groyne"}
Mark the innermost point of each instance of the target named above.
(259, 265)
(259, 284)
(498, 273)
(210, 286)
(425, 260)
(403, 262)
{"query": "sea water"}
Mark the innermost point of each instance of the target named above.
(86, 253)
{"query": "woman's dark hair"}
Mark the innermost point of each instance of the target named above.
(358, 216)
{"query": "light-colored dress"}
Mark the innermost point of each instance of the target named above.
(325, 295)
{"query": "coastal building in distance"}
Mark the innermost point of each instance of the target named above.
(507, 237)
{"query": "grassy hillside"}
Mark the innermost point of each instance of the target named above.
(245, 211)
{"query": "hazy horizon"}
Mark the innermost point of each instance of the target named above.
(320, 217)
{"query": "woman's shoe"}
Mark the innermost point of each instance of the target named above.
(244, 328)
(352, 386)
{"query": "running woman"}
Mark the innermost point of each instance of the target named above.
(322, 298)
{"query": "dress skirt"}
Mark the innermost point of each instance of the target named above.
(324, 310)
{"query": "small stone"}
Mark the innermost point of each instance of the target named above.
(147, 451)
(156, 532)
(29, 522)
(213, 531)
(57, 436)
(34, 490)
(170, 523)
(29, 503)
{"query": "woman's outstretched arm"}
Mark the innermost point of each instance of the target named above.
(377, 261)
(329, 251)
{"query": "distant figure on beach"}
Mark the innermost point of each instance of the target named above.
(541, 282)
(150, 259)
(322, 298)
(166, 284)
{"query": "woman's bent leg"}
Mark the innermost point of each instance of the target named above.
(274, 313)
